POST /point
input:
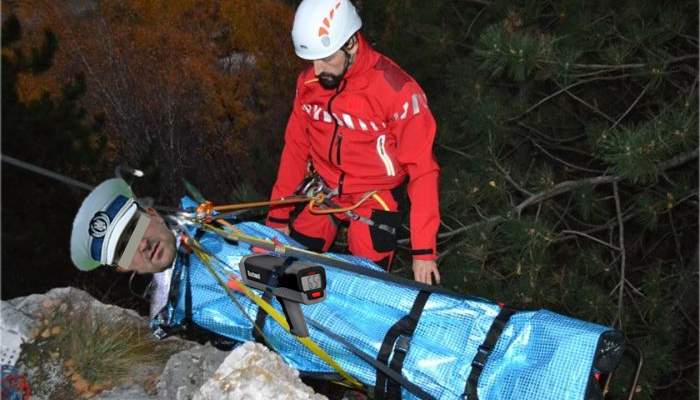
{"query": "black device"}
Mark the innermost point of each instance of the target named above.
(291, 281)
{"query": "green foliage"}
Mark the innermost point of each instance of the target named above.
(541, 106)
(636, 151)
(515, 55)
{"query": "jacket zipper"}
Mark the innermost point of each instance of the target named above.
(337, 149)
(336, 127)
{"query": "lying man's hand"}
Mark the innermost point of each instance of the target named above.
(424, 270)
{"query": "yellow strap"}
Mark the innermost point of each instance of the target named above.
(271, 311)
(379, 200)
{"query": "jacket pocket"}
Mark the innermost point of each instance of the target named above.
(383, 230)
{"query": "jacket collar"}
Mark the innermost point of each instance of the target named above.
(365, 58)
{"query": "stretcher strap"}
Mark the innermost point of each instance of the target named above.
(397, 341)
(411, 387)
(484, 351)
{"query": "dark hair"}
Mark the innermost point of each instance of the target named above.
(350, 42)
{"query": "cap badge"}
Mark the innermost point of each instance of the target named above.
(99, 224)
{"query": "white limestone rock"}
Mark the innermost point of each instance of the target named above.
(252, 372)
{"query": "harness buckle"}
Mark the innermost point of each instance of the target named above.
(402, 344)
(482, 355)
(314, 185)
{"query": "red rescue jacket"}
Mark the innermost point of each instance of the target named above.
(369, 134)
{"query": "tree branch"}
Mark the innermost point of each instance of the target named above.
(542, 149)
(560, 91)
(459, 230)
(479, 2)
(637, 65)
(588, 105)
(567, 186)
(595, 239)
(456, 151)
(634, 103)
(623, 253)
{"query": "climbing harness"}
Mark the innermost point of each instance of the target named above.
(313, 191)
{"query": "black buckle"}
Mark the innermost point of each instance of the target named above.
(482, 355)
(402, 344)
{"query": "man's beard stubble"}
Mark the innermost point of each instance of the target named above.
(329, 81)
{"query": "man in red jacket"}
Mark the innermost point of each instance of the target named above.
(363, 125)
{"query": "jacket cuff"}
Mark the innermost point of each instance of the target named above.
(424, 254)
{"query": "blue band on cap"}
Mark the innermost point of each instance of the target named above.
(96, 248)
(111, 211)
(116, 205)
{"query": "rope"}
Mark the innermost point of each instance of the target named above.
(272, 312)
(322, 211)
(46, 172)
(282, 201)
(235, 234)
(206, 209)
(381, 202)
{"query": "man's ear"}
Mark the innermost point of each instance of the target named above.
(154, 214)
(352, 45)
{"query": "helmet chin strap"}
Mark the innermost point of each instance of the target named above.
(348, 58)
(346, 64)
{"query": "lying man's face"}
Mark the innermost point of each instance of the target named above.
(155, 251)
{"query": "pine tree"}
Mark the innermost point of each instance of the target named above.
(568, 141)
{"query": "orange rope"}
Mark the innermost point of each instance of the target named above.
(287, 200)
(322, 211)
(206, 209)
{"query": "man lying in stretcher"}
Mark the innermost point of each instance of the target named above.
(401, 338)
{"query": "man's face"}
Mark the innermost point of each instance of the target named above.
(331, 70)
(156, 250)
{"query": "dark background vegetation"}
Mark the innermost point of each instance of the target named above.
(568, 141)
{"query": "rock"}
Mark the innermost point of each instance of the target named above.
(18, 311)
(252, 372)
(37, 317)
(131, 392)
(249, 372)
(185, 372)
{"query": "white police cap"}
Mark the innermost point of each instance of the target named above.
(100, 221)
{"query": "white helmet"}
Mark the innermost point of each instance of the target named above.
(321, 27)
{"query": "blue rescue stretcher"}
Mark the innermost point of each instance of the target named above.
(450, 346)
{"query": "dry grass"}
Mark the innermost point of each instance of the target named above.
(92, 352)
